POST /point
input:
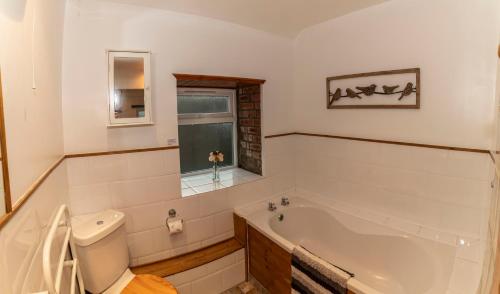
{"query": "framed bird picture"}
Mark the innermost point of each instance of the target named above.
(382, 89)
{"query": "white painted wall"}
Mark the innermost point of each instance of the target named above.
(179, 43)
(454, 44)
(33, 117)
(34, 132)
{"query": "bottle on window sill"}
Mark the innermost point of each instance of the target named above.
(216, 176)
(216, 157)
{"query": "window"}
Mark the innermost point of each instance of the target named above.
(207, 122)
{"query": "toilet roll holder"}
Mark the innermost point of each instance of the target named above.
(172, 214)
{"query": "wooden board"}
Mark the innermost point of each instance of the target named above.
(207, 81)
(189, 260)
(240, 229)
(240, 234)
(149, 284)
(269, 263)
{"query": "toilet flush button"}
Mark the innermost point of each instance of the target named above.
(99, 222)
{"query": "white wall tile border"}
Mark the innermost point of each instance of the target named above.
(213, 277)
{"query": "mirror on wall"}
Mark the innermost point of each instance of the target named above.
(5, 200)
(129, 88)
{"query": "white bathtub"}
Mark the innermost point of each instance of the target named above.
(383, 260)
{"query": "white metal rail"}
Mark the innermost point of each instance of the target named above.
(53, 282)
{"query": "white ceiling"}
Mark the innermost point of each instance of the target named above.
(283, 17)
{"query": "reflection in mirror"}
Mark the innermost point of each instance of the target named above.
(129, 93)
(129, 87)
(5, 201)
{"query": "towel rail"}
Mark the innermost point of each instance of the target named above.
(61, 219)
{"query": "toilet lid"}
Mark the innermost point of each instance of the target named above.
(146, 284)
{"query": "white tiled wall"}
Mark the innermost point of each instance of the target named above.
(490, 229)
(212, 278)
(21, 240)
(146, 185)
(445, 190)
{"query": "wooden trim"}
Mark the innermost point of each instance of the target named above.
(240, 229)
(120, 151)
(382, 142)
(189, 260)
(31, 190)
(279, 135)
(5, 163)
(238, 80)
(241, 235)
(492, 156)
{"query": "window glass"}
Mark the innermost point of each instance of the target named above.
(187, 104)
(198, 140)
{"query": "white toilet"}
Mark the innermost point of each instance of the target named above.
(102, 249)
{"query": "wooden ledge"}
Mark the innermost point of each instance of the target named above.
(442, 147)
(189, 260)
(205, 81)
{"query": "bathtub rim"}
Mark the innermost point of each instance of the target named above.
(261, 224)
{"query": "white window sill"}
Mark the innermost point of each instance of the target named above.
(201, 183)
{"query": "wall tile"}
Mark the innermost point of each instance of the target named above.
(210, 284)
(223, 222)
(217, 239)
(145, 217)
(151, 164)
(436, 188)
(103, 169)
(214, 202)
(142, 191)
(187, 208)
(184, 289)
(89, 198)
(199, 229)
(233, 275)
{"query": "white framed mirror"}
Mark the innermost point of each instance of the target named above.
(129, 88)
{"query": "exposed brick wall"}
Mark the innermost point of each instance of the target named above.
(249, 131)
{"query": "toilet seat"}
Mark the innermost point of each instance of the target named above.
(129, 283)
(149, 284)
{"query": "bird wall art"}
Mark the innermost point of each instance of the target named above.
(382, 89)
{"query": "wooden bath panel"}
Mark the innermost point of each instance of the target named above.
(269, 263)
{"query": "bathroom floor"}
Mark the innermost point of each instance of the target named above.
(250, 287)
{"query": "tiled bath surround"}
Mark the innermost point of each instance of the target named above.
(441, 189)
(449, 196)
(146, 185)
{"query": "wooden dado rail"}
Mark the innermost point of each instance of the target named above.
(4, 219)
(442, 147)
(380, 141)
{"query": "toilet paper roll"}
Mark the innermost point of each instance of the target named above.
(174, 226)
